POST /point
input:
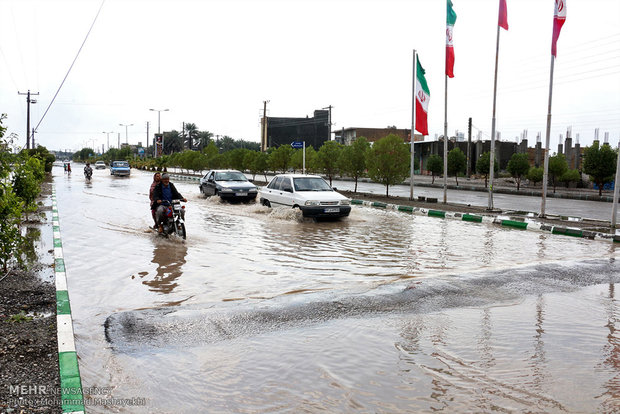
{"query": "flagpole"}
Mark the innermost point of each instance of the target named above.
(492, 155)
(445, 144)
(614, 209)
(412, 126)
(546, 163)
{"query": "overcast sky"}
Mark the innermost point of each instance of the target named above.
(213, 63)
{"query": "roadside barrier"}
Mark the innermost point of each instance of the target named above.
(501, 220)
(70, 380)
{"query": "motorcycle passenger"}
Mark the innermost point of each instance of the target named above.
(164, 191)
(88, 171)
(156, 180)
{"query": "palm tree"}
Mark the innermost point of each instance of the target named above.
(192, 133)
(204, 137)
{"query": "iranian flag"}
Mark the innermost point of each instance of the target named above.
(422, 97)
(450, 19)
(559, 17)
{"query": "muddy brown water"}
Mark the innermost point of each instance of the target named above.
(260, 310)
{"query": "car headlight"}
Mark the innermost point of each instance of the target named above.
(345, 202)
(313, 203)
(226, 190)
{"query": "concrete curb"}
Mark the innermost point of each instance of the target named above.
(70, 380)
(501, 220)
(184, 177)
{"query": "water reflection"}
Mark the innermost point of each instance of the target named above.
(488, 256)
(611, 397)
(539, 357)
(170, 258)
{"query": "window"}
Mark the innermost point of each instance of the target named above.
(275, 183)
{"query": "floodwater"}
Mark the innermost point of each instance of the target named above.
(262, 311)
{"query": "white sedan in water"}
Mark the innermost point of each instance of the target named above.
(310, 193)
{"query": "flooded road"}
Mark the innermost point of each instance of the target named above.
(260, 310)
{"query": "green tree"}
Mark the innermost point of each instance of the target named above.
(483, 166)
(210, 151)
(297, 160)
(388, 161)
(249, 160)
(260, 164)
(204, 138)
(600, 164)
(225, 143)
(570, 176)
(173, 142)
(557, 167)
(25, 185)
(191, 134)
(327, 159)
(456, 163)
(518, 166)
(535, 174)
(353, 159)
(434, 164)
(280, 158)
(11, 209)
(237, 157)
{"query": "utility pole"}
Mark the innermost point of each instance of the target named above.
(329, 122)
(28, 102)
(33, 146)
(468, 173)
(263, 141)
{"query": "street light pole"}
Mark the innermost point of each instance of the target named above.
(108, 134)
(159, 111)
(126, 125)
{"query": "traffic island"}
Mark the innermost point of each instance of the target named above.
(553, 226)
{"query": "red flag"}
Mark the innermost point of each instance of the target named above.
(559, 17)
(503, 15)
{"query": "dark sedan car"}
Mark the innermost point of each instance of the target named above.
(229, 185)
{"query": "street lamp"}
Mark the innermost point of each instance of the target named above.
(126, 125)
(108, 134)
(159, 111)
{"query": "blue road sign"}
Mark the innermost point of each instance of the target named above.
(297, 144)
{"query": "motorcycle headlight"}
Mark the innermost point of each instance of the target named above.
(313, 203)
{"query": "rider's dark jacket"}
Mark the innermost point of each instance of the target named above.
(158, 194)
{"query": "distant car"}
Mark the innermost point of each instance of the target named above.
(100, 165)
(310, 193)
(119, 168)
(230, 185)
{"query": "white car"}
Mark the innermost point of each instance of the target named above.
(100, 165)
(310, 193)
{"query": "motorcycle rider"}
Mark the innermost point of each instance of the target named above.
(165, 191)
(88, 171)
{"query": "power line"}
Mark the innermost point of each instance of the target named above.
(71, 67)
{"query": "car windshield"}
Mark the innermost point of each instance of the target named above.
(121, 164)
(311, 184)
(99, 162)
(230, 176)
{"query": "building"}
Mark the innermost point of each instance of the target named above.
(346, 136)
(283, 131)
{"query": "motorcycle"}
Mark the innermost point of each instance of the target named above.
(174, 221)
(88, 175)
